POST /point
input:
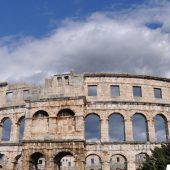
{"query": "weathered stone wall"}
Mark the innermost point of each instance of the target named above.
(55, 113)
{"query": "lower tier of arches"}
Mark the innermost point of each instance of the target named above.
(74, 156)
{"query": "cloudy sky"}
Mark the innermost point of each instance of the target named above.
(45, 37)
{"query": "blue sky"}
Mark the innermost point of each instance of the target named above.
(41, 38)
(45, 37)
(38, 18)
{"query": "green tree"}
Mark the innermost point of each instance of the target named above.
(159, 159)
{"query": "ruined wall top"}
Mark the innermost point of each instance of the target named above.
(97, 87)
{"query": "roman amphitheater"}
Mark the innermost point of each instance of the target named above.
(89, 121)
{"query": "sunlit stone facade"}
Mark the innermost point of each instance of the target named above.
(100, 121)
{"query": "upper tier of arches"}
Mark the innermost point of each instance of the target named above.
(115, 125)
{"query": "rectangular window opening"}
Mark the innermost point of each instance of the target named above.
(118, 159)
(157, 92)
(137, 91)
(114, 90)
(92, 90)
(40, 161)
(59, 79)
(69, 163)
(92, 161)
(25, 93)
(9, 96)
(66, 78)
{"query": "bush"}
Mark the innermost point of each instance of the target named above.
(159, 159)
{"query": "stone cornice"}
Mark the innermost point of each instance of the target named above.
(127, 103)
(125, 75)
(12, 107)
(53, 141)
(55, 99)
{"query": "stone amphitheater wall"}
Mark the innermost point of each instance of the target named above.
(55, 116)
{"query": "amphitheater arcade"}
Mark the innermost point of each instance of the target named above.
(89, 121)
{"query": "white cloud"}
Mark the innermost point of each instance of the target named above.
(118, 42)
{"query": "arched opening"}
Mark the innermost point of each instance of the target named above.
(2, 161)
(140, 128)
(64, 161)
(37, 162)
(6, 129)
(118, 162)
(66, 113)
(116, 127)
(21, 127)
(65, 121)
(92, 127)
(93, 162)
(161, 128)
(40, 114)
(139, 160)
(40, 123)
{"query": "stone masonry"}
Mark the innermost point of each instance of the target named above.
(47, 123)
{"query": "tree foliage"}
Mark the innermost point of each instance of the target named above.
(159, 159)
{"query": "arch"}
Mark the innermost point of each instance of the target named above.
(93, 161)
(21, 127)
(65, 113)
(64, 161)
(6, 129)
(17, 157)
(116, 127)
(66, 121)
(40, 123)
(118, 161)
(37, 161)
(96, 114)
(139, 159)
(3, 119)
(161, 128)
(20, 119)
(40, 114)
(140, 128)
(92, 127)
(98, 154)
